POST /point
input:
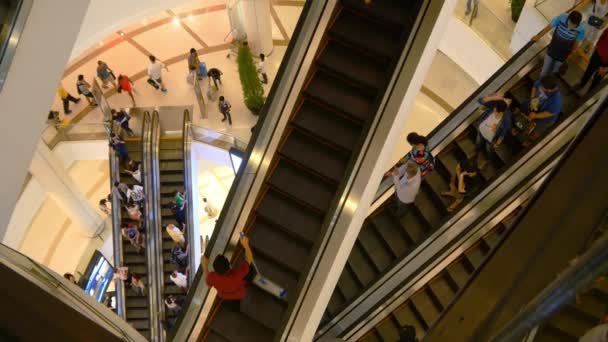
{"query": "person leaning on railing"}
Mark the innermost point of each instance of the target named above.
(229, 282)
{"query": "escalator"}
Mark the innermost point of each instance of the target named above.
(388, 241)
(136, 305)
(555, 228)
(333, 113)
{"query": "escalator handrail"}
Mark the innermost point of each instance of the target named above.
(116, 229)
(589, 266)
(187, 155)
(154, 229)
(467, 112)
(269, 127)
(58, 287)
(390, 279)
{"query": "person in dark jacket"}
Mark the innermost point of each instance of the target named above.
(494, 125)
(122, 118)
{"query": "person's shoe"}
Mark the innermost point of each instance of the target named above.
(77, 100)
(467, 12)
(164, 90)
(68, 112)
(224, 119)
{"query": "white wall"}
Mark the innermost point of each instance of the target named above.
(70, 151)
(530, 22)
(469, 51)
(26, 208)
(31, 83)
(105, 17)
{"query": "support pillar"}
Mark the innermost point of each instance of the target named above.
(53, 177)
(30, 87)
(255, 18)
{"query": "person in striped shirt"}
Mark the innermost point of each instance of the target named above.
(420, 153)
(568, 35)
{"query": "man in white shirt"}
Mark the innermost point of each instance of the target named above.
(407, 183)
(179, 279)
(155, 72)
(136, 194)
(262, 68)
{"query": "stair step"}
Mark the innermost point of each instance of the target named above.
(236, 326)
(137, 313)
(389, 11)
(393, 234)
(263, 307)
(363, 268)
(318, 157)
(388, 330)
(302, 186)
(290, 216)
(283, 277)
(279, 246)
(345, 61)
(337, 94)
(373, 246)
(327, 125)
(171, 154)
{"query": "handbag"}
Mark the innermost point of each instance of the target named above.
(594, 20)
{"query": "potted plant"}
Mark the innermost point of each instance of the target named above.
(516, 7)
(253, 92)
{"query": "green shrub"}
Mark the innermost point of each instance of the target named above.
(516, 7)
(253, 92)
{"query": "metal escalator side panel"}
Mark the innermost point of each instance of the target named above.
(116, 230)
(153, 228)
(189, 188)
(546, 237)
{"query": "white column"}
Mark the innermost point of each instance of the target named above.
(42, 53)
(303, 324)
(257, 22)
(53, 177)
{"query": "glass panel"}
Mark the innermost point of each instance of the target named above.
(217, 139)
(12, 20)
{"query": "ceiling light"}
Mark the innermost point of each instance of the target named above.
(175, 20)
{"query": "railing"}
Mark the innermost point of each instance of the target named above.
(54, 134)
(12, 24)
(218, 139)
(187, 140)
(280, 102)
(154, 253)
(116, 233)
(494, 30)
(67, 293)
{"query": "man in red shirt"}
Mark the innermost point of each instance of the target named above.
(598, 64)
(230, 282)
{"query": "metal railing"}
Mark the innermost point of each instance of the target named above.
(187, 141)
(280, 102)
(214, 138)
(67, 293)
(156, 280)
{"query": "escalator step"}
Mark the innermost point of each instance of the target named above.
(139, 324)
(362, 267)
(425, 307)
(174, 179)
(171, 144)
(236, 326)
(263, 307)
(592, 306)
(373, 246)
(350, 63)
(171, 165)
(140, 269)
(437, 184)
(134, 259)
(337, 94)
(302, 186)
(300, 222)
(458, 272)
(492, 238)
(315, 156)
(171, 155)
(288, 280)
(405, 316)
(212, 336)
(449, 160)
(169, 190)
(137, 313)
(136, 302)
(388, 330)
(372, 336)
(365, 34)
(442, 291)
(467, 145)
(475, 256)
(348, 285)
(336, 303)
(275, 244)
(392, 233)
(327, 125)
(389, 11)
(415, 226)
(428, 208)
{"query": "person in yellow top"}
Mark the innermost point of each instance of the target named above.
(66, 98)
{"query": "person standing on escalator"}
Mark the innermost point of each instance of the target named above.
(230, 283)
(419, 153)
(568, 35)
(494, 124)
(407, 183)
